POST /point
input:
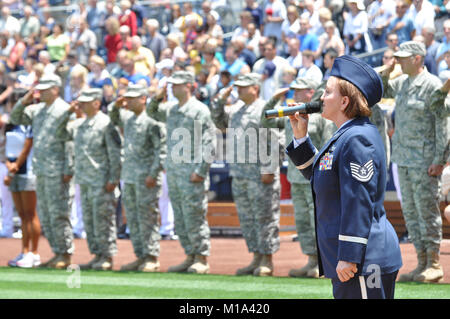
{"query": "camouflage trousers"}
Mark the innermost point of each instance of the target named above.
(190, 205)
(258, 207)
(420, 206)
(304, 217)
(142, 211)
(54, 212)
(99, 218)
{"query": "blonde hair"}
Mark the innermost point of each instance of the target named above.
(358, 105)
(77, 72)
(114, 23)
(97, 60)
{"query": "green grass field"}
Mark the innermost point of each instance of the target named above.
(48, 284)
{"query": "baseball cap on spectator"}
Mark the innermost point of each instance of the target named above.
(410, 48)
(248, 79)
(181, 77)
(136, 90)
(107, 81)
(269, 69)
(90, 95)
(47, 81)
(304, 83)
(165, 64)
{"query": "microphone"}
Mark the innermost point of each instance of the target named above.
(303, 108)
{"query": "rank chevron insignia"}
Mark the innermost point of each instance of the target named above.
(362, 173)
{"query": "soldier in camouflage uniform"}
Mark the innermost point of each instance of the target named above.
(191, 147)
(97, 171)
(144, 153)
(50, 164)
(320, 131)
(418, 149)
(255, 184)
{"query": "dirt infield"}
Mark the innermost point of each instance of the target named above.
(227, 254)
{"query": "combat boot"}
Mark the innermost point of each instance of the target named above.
(183, 267)
(265, 267)
(48, 262)
(421, 264)
(62, 262)
(248, 270)
(200, 265)
(303, 272)
(433, 271)
(90, 263)
(133, 266)
(104, 263)
(150, 264)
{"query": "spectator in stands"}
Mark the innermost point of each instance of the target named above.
(295, 56)
(355, 29)
(173, 42)
(444, 46)
(431, 44)
(270, 54)
(44, 58)
(422, 13)
(312, 15)
(14, 62)
(29, 24)
(98, 74)
(128, 17)
(392, 41)
(212, 28)
(232, 62)
(289, 27)
(257, 12)
(113, 40)
(191, 33)
(8, 22)
(253, 39)
(328, 61)
(245, 18)
(275, 14)
(96, 18)
(32, 72)
(308, 40)
(58, 44)
(125, 36)
(329, 40)
(77, 82)
(244, 54)
(85, 42)
(211, 65)
(268, 84)
(402, 24)
(153, 39)
(112, 10)
(309, 69)
(380, 13)
(132, 75)
(325, 15)
(141, 16)
(430, 61)
(142, 57)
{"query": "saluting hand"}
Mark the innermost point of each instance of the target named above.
(195, 178)
(161, 93)
(120, 102)
(150, 182)
(346, 270)
(28, 98)
(110, 187)
(280, 93)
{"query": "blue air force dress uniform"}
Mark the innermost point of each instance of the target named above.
(348, 183)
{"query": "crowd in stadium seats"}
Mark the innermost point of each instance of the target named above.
(111, 44)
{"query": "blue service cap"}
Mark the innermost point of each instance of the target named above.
(360, 74)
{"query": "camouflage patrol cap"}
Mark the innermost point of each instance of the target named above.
(135, 90)
(304, 83)
(248, 79)
(410, 48)
(90, 95)
(47, 81)
(182, 77)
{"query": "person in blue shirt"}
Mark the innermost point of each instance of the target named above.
(357, 246)
(308, 40)
(402, 24)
